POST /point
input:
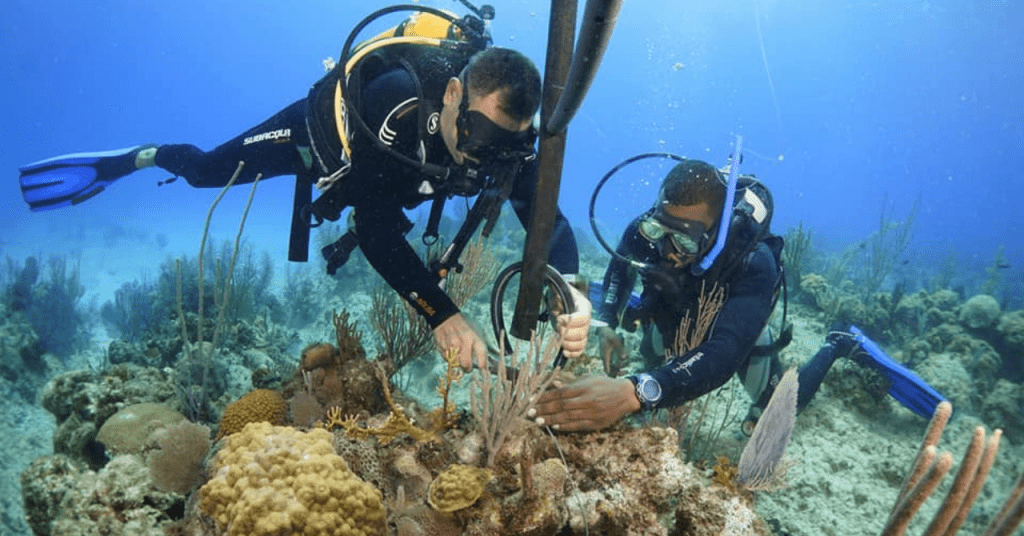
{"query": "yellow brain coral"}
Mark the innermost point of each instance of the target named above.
(273, 480)
(458, 487)
(261, 405)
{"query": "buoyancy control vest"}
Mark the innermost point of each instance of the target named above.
(679, 289)
(432, 46)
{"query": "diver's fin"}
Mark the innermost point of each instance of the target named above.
(905, 386)
(73, 178)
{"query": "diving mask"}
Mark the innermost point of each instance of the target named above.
(483, 140)
(688, 237)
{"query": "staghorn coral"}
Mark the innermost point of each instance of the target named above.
(276, 480)
(261, 405)
(444, 416)
(458, 487)
(396, 424)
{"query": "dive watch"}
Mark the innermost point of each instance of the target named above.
(648, 390)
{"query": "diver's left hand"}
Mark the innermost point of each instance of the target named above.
(589, 403)
(573, 328)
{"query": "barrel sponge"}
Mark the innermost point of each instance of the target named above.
(274, 480)
(261, 405)
(458, 487)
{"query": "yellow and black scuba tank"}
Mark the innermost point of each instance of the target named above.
(432, 45)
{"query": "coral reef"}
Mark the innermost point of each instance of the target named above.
(83, 401)
(276, 480)
(52, 304)
(340, 376)
(43, 485)
(134, 310)
(1004, 403)
(916, 313)
(457, 487)
(261, 405)
(128, 430)
(63, 500)
(981, 311)
(177, 464)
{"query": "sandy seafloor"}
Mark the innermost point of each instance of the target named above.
(848, 465)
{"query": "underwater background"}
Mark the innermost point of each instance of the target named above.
(866, 120)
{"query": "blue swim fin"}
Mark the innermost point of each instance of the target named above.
(71, 179)
(905, 386)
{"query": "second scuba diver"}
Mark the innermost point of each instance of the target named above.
(668, 243)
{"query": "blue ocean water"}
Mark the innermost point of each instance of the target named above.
(847, 110)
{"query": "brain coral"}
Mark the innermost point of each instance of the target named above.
(272, 480)
(261, 405)
(981, 311)
(458, 487)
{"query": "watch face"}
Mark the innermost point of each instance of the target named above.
(649, 389)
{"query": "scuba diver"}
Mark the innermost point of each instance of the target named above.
(674, 248)
(424, 112)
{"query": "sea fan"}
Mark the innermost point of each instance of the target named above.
(763, 453)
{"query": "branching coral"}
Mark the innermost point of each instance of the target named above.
(396, 424)
(497, 405)
(444, 416)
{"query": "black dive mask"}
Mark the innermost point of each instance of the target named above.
(481, 139)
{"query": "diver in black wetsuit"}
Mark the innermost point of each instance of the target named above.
(503, 95)
(669, 238)
(437, 122)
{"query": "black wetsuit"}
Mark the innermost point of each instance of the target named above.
(378, 186)
(750, 277)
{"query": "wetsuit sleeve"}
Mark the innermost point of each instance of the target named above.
(743, 316)
(563, 255)
(380, 221)
(620, 277)
(381, 230)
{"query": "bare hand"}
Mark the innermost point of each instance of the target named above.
(457, 333)
(589, 403)
(574, 328)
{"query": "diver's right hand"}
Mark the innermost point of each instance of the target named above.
(457, 333)
(613, 348)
